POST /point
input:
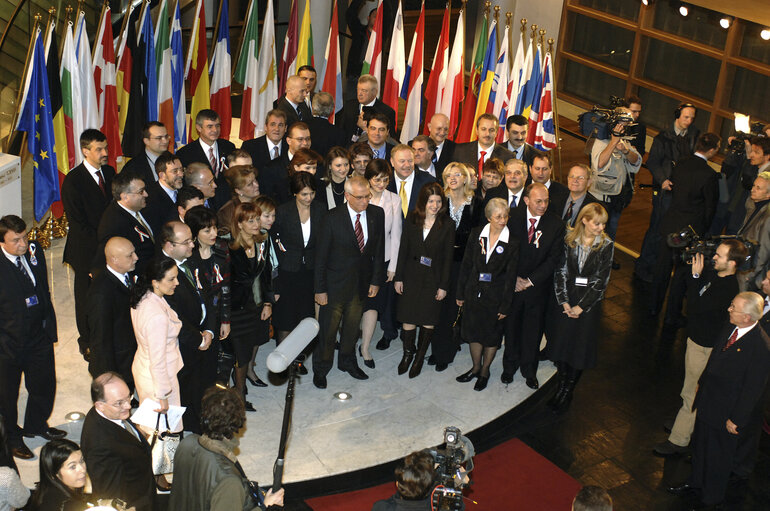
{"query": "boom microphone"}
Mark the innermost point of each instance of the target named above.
(295, 342)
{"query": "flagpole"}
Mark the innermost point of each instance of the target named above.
(33, 34)
(51, 13)
(123, 33)
(235, 61)
(554, 101)
(216, 28)
(99, 28)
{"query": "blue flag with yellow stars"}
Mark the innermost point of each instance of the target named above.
(36, 119)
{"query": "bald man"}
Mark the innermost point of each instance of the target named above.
(199, 176)
(293, 103)
(439, 131)
(109, 322)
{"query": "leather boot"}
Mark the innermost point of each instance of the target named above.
(407, 337)
(560, 390)
(426, 334)
(562, 405)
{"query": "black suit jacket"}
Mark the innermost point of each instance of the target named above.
(140, 167)
(111, 332)
(420, 179)
(733, 381)
(341, 269)
(468, 153)
(501, 192)
(446, 157)
(273, 179)
(16, 326)
(527, 156)
(116, 221)
(287, 233)
(160, 208)
(325, 135)
(260, 154)
(596, 270)
(694, 196)
(348, 117)
(537, 262)
(283, 105)
(120, 465)
(194, 152)
(557, 197)
(84, 204)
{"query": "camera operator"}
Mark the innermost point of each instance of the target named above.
(634, 105)
(414, 482)
(709, 292)
(741, 169)
(694, 195)
(614, 160)
(755, 227)
(668, 148)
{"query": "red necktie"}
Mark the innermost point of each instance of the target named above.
(213, 162)
(359, 233)
(101, 182)
(531, 230)
(731, 340)
(481, 164)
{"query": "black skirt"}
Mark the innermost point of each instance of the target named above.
(247, 330)
(380, 300)
(572, 341)
(296, 301)
(480, 324)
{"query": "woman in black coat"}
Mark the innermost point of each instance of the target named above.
(485, 289)
(466, 210)
(579, 283)
(422, 273)
(252, 289)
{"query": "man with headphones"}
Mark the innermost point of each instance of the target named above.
(669, 147)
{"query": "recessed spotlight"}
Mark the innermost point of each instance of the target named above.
(765, 34)
(645, 2)
(343, 396)
(725, 22)
(75, 416)
(684, 10)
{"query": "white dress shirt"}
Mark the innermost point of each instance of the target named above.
(24, 263)
(408, 182)
(362, 219)
(94, 171)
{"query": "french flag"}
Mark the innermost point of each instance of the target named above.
(412, 89)
(220, 74)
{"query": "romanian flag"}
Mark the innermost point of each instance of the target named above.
(487, 78)
(434, 90)
(54, 88)
(288, 65)
(305, 47)
(332, 75)
(106, 93)
(221, 69)
(246, 73)
(197, 69)
(468, 118)
(498, 96)
(163, 57)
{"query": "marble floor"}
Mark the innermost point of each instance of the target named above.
(387, 417)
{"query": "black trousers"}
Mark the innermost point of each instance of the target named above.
(669, 259)
(82, 282)
(523, 332)
(330, 316)
(36, 362)
(197, 375)
(444, 343)
(645, 263)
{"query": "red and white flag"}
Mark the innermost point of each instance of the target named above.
(455, 79)
(413, 83)
(106, 90)
(394, 76)
(288, 65)
(89, 113)
(221, 67)
(332, 75)
(434, 90)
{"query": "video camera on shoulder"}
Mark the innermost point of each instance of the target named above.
(691, 243)
(745, 130)
(601, 122)
(453, 464)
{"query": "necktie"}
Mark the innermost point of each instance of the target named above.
(434, 159)
(213, 162)
(188, 274)
(127, 280)
(731, 340)
(568, 214)
(21, 268)
(404, 200)
(531, 230)
(130, 429)
(175, 195)
(299, 113)
(359, 233)
(100, 181)
(275, 152)
(513, 201)
(481, 164)
(144, 224)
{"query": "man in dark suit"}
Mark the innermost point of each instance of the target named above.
(349, 267)
(325, 134)
(309, 77)
(198, 323)
(541, 235)
(293, 102)
(511, 190)
(271, 145)
(155, 138)
(728, 403)
(694, 196)
(109, 320)
(424, 152)
(118, 457)
(439, 129)
(351, 118)
(27, 334)
(85, 193)
(162, 194)
(377, 132)
(541, 172)
(188, 197)
(578, 180)
(123, 218)
(516, 126)
(477, 153)
(200, 176)
(407, 180)
(209, 149)
(274, 177)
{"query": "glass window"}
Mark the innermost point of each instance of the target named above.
(752, 45)
(628, 9)
(701, 25)
(749, 93)
(686, 70)
(658, 110)
(601, 41)
(591, 85)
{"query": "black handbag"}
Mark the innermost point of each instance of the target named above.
(225, 362)
(457, 326)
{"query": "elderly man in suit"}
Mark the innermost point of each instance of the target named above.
(351, 118)
(199, 175)
(516, 126)
(162, 194)
(407, 179)
(325, 134)
(293, 102)
(578, 181)
(123, 217)
(156, 139)
(728, 402)
(109, 323)
(271, 145)
(118, 457)
(85, 193)
(349, 267)
(512, 188)
(27, 334)
(541, 235)
(756, 227)
(477, 153)
(438, 126)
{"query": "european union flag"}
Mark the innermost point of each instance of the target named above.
(36, 119)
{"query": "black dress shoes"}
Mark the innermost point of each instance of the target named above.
(22, 452)
(256, 381)
(368, 362)
(248, 406)
(358, 374)
(668, 448)
(682, 489)
(319, 381)
(481, 383)
(441, 367)
(466, 377)
(48, 434)
(506, 378)
(533, 383)
(431, 360)
(383, 343)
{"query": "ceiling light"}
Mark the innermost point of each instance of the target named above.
(684, 10)
(725, 22)
(645, 2)
(765, 34)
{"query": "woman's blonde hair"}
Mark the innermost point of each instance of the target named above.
(465, 171)
(593, 211)
(244, 211)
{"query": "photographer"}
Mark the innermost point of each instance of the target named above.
(414, 482)
(709, 292)
(741, 169)
(755, 227)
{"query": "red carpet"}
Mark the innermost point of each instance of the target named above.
(510, 476)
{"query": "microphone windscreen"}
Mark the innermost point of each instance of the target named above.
(292, 345)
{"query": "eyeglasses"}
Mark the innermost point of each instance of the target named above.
(119, 403)
(185, 242)
(300, 139)
(161, 137)
(141, 191)
(361, 197)
(383, 179)
(577, 178)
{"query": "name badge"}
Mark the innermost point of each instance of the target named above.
(426, 261)
(31, 301)
(485, 277)
(581, 281)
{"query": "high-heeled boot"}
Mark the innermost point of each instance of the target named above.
(561, 376)
(562, 404)
(407, 337)
(426, 334)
